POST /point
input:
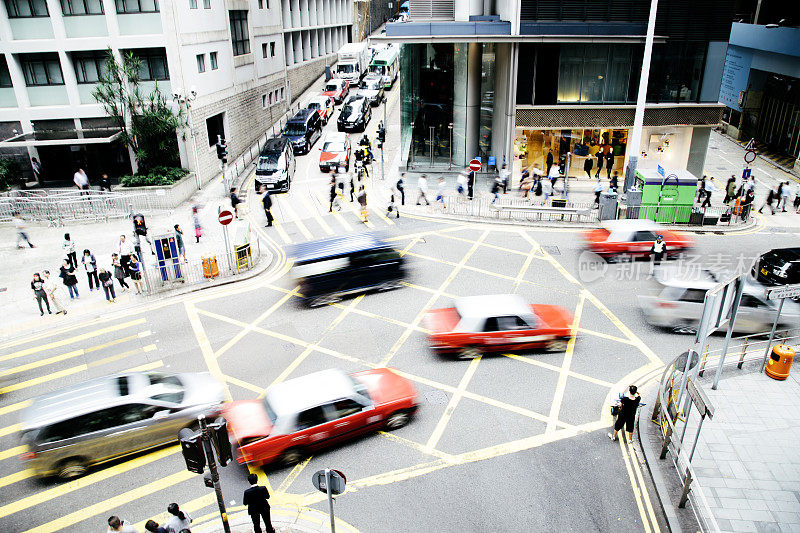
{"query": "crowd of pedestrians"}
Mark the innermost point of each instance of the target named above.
(178, 522)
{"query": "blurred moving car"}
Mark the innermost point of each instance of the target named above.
(355, 115)
(633, 238)
(99, 420)
(372, 89)
(321, 409)
(323, 105)
(335, 152)
(780, 266)
(328, 269)
(679, 299)
(337, 89)
(495, 323)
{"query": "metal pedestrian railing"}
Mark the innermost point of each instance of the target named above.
(514, 208)
(64, 207)
(747, 348)
(688, 215)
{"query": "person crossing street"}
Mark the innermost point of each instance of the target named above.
(266, 201)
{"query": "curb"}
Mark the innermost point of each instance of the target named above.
(283, 519)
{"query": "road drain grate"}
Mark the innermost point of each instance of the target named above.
(552, 250)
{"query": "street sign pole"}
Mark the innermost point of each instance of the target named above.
(212, 466)
(330, 498)
(734, 311)
(227, 244)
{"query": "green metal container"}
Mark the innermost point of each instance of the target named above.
(667, 198)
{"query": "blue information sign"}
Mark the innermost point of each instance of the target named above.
(746, 174)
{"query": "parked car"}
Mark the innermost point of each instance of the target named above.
(303, 130)
(372, 89)
(276, 165)
(780, 266)
(678, 299)
(323, 105)
(70, 429)
(337, 89)
(355, 115)
(478, 324)
(633, 238)
(301, 415)
(335, 152)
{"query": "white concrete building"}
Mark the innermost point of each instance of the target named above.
(244, 60)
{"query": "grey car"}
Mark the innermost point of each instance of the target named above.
(372, 90)
(102, 419)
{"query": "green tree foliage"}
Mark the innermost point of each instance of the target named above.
(10, 172)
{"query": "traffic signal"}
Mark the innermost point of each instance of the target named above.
(192, 449)
(381, 135)
(139, 225)
(222, 150)
(222, 443)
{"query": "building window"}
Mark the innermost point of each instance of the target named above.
(26, 8)
(5, 75)
(240, 38)
(137, 6)
(263, 49)
(192, 4)
(81, 7)
(260, 4)
(272, 49)
(89, 66)
(206, 4)
(263, 100)
(215, 126)
(201, 63)
(281, 93)
(42, 69)
(153, 66)
(269, 98)
(213, 57)
(594, 73)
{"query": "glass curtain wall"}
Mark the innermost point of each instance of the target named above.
(595, 73)
(487, 100)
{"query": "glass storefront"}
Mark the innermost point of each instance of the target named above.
(534, 146)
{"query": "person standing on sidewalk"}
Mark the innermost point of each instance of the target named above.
(549, 162)
(125, 250)
(471, 184)
(505, 178)
(600, 157)
(422, 189)
(627, 413)
(179, 519)
(587, 166)
(179, 244)
(136, 273)
(797, 198)
(51, 288)
(198, 228)
(609, 160)
(119, 272)
(90, 265)
(108, 285)
(39, 294)
(68, 276)
(69, 249)
(266, 201)
(730, 190)
(401, 188)
(105, 183)
(256, 499)
(785, 195)
(235, 201)
(81, 181)
(598, 189)
(19, 225)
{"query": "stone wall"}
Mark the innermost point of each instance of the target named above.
(301, 76)
(368, 15)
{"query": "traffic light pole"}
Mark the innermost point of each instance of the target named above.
(212, 466)
(138, 247)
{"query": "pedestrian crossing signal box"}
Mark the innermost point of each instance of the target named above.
(167, 261)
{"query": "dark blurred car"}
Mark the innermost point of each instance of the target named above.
(780, 266)
(355, 115)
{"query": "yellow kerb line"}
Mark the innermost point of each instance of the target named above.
(645, 495)
(563, 374)
(636, 494)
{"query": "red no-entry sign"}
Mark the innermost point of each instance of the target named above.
(475, 165)
(225, 217)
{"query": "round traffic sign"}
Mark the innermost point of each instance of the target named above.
(225, 217)
(750, 156)
(338, 481)
(475, 165)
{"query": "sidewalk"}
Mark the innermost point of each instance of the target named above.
(284, 520)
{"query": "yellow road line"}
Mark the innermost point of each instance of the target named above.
(146, 367)
(383, 217)
(645, 495)
(319, 218)
(636, 494)
(293, 217)
(243, 384)
(487, 245)
(17, 476)
(14, 407)
(416, 446)
(298, 468)
(554, 368)
(281, 232)
(81, 483)
(71, 340)
(336, 214)
(605, 336)
(13, 428)
(205, 345)
(433, 440)
(561, 384)
(352, 208)
(13, 452)
(428, 289)
(116, 501)
(525, 266)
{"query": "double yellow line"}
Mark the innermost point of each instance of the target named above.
(640, 492)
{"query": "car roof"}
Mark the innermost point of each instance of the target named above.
(299, 394)
(337, 81)
(276, 144)
(302, 115)
(336, 137)
(704, 279)
(320, 98)
(638, 224)
(335, 246)
(787, 254)
(492, 305)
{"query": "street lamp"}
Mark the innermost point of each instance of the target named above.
(185, 101)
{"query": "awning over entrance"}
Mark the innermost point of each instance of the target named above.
(61, 138)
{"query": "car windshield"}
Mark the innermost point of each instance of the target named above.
(268, 162)
(372, 85)
(333, 146)
(332, 87)
(294, 129)
(347, 68)
(348, 110)
(315, 105)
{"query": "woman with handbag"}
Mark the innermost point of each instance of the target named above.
(626, 413)
(108, 284)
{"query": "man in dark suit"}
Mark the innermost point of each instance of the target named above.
(255, 498)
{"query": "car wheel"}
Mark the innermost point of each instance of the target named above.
(557, 345)
(469, 352)
(397, 420)
(685, 329)
(71, 468)
(292, 456)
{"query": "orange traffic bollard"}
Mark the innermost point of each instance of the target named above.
(210, 268)
(780, 362)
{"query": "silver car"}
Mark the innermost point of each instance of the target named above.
(99, 420)
(677, 304)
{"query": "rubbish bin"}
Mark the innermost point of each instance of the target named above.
(210, 268)
(608, 206)
(559, 202)
(780, 362)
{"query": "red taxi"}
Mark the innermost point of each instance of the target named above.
(337, 89)
(323, 105)
(479, 324)
(335, 152)
(319, 410)
(634, 238)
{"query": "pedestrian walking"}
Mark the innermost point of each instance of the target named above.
(235, 201)
(565, 191)
(332, 194)
(747, 204)
(422, 189)
(67, 275)
(730, 190)
(797, 198)
(401, 181)
(768, 202)
(626, 415)
(266, 201)
(51, 288)
(587, 166)
(600, 158)
(105, 183)
(547, 188)
(125, 250)
(153, 527)
(36, 166)
(120, 526)
(554, 174)
(256, 499)
(495, 190)
(613, 183)
(549, 162)
(471, 184)
(179, 244)
(90, 265)
(198, 228)
(136, 273)
(179, 519)
(440, 192)
(69, 249)
(505, 178)
(462, 183)
(784, 199)
(609, 160)
(353, 180)
(525, 185)
(658, 251)
(108, 284)
(39, 294)
(392, 207)
(22, 235)
(598, 189)
(362, 201)
(119, 272)
(709, 188)
(81, 181)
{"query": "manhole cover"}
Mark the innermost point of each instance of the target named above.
(552, 250)
(436, 397)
